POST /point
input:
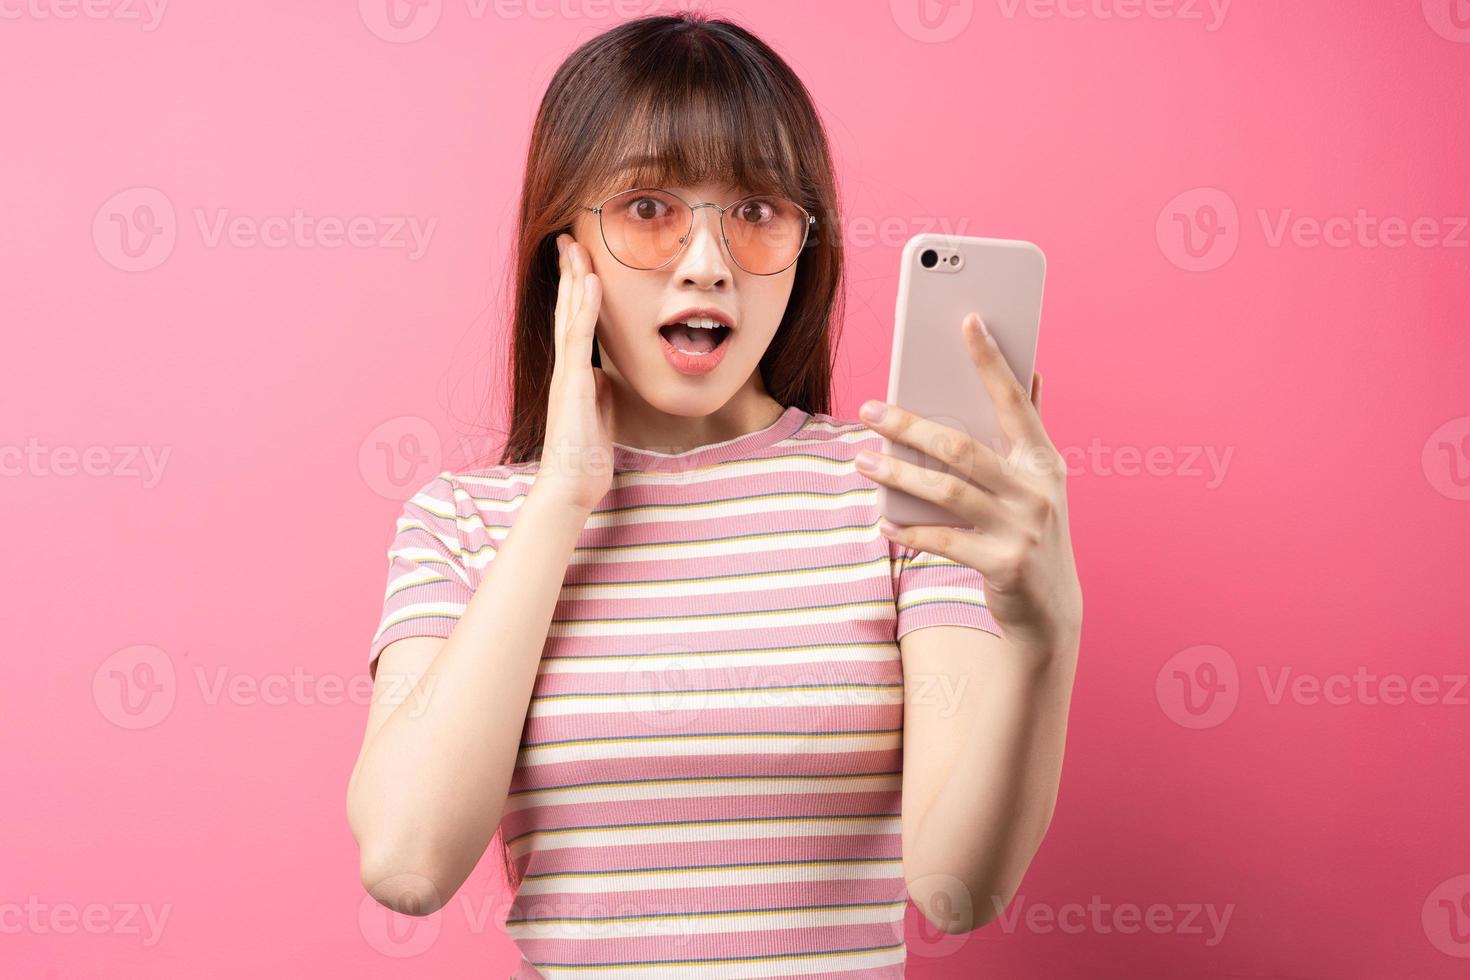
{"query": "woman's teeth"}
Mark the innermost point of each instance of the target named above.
(698, 336)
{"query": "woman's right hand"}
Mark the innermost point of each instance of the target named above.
(577, 452)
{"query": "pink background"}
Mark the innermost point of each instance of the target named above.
(298, 391)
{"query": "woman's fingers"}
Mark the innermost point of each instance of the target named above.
(578, 257)
(974, 460)
(981, 507)
(563, 298)
(585, 301)
(585, 323)
(985, 553)
(1013, 408)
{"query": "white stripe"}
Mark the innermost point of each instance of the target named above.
(784, 967)
(876, 568)
(436, 559)
(675, 790)
(753, 620)
(687, 511)
(779, 874)
(677, 922)
(674, 551)
(416, 575)
(739, 830)
(654, 748)
(663, 704)
(719, 660)
(455, 609)
(508, 477)
(511, 496)
(930, 593)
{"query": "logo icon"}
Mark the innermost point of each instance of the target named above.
(392, 934)
(399, 456)
(1199, 687)
(400, 21)
(135, 229)
(1446, 459)
(135, 687)
(1199, 230)
(1446, 917)
(932, 21)
(1450, 19)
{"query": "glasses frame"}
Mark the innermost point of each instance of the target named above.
(810, 223)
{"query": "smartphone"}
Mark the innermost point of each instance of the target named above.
(942, 279)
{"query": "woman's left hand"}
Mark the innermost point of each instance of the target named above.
(1017, 504)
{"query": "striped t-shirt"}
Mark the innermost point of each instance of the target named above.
(708, 783)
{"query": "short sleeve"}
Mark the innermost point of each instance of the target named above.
(428, 583)
(932, 590)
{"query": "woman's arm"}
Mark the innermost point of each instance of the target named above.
(985, 725)
(444, 730)
(987, 760)
(429, 786)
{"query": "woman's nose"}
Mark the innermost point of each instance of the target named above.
(703, 258)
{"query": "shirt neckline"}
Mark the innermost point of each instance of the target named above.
(632, 458)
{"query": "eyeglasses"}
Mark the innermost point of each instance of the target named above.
(645, 228)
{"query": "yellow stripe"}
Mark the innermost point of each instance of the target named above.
(738, 690)
(613, 739)
(727, 913)
(679, 781)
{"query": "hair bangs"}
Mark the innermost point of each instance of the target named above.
(683, 136)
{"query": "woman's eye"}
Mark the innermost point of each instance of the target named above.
(755, 212)
(645, 208)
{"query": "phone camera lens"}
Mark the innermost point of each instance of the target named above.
(928, 258)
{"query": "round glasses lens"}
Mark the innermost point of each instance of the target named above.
(766, 233)
(643, 228)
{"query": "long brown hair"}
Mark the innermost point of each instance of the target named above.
(683, 98)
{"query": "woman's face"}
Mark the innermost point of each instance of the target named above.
(635, 303)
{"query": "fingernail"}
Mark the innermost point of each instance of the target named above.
(887, 528)
(866, 461)
(561, 245)
(980, 325)
(872, 411)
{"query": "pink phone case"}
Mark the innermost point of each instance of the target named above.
(931, 372)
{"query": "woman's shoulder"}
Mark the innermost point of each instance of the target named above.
(483, 483)
(834, 433)
(495, 476)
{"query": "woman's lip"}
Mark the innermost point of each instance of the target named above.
(695, 364)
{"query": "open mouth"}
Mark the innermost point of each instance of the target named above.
(697, 337)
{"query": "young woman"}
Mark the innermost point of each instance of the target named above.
(725, 723)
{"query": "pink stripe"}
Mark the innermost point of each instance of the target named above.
(677, 767)
(698, 854)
